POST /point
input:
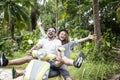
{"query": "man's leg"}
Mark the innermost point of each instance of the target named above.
(62, 69)
(20, 61)
(17, 73)
(4, 61)
(64, 72)
(53, 73)
(69, 78)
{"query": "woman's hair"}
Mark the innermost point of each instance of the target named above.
(67, 36)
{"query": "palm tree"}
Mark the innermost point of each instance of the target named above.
(15, 16)
(33, 16)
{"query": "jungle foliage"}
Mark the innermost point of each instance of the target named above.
(18, 24)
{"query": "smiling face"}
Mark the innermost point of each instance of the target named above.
(51, 33)
(63, 36)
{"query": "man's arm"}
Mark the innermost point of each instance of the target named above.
(35, 47)
(41, 28)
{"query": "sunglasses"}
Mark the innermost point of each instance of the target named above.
(51, 30)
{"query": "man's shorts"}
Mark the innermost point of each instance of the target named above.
(62, 69)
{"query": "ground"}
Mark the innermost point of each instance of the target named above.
(6, 74)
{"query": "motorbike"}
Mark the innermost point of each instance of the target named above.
(39, 69)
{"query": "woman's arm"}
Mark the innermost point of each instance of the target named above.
(93, 37)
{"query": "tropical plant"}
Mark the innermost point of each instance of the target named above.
(15, 16)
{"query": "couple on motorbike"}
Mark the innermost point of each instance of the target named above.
(51, 43)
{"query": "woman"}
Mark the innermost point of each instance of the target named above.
(63, 36)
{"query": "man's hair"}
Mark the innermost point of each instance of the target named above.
(53, 28)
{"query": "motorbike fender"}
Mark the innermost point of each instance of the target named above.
(36, 70)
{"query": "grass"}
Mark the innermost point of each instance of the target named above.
(15, 56)
(90, 70)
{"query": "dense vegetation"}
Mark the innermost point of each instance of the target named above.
(18, 24)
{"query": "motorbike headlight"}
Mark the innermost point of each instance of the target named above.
(41, 54)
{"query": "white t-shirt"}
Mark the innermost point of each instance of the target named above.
(50, 45)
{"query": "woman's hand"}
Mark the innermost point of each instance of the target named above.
(93, 37)
(59, 58)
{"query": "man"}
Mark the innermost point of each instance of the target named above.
(50, 44)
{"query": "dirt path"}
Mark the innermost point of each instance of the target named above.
(6, 74)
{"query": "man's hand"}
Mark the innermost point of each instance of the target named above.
(29, 52)
(39, 23)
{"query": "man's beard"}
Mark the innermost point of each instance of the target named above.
(50, 36)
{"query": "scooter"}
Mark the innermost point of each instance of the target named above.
(39, 69)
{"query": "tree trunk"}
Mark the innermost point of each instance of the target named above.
(57, 14)
(12, 29)
(97, 29)
(34, 17)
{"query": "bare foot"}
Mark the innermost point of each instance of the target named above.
(17, 73)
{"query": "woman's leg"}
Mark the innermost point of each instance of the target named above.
(67, 61)
(77, 62)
